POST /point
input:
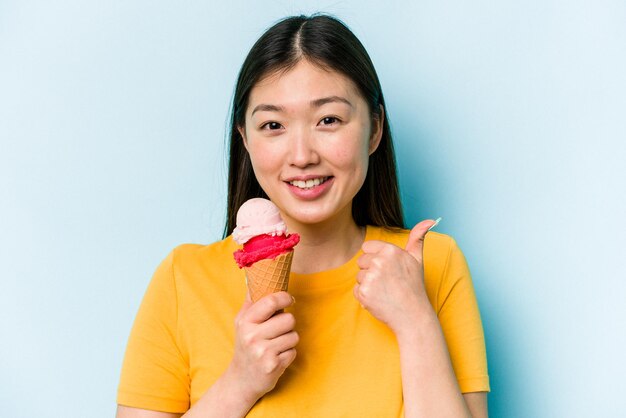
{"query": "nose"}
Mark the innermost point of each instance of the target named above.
(302, 149)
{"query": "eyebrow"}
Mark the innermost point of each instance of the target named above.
(330, 99)
(314, 103)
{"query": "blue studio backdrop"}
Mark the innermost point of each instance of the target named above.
(509, 120)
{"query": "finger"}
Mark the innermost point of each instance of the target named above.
(374, 246)
(271, 357)
(361, 276)
(247, 302)
(279, 353)
(264, 308)
(244, 308)
(356, 290)
(285, 342)
(287, 357)
(361, 291)
(365, 261)
(415, 244)
(276, 326)
(357, 294)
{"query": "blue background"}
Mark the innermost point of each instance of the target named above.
(509, 120)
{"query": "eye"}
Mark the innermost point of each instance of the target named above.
(329, 120)
(272, 126)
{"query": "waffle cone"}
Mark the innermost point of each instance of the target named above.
(268, 276)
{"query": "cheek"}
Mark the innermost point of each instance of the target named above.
(261, 157)
(354, 158)
(260, 166)
(343, 157)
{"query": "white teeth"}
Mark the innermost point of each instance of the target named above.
(308, 183)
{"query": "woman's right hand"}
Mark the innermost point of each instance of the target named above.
(265, 343)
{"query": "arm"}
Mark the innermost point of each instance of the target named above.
(429, 385)
(424, 357)
(128, 412)
(264, 347)
(220, 400)
(477, 404)
(391, 286)
(265, 343)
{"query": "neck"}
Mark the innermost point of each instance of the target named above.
(326, 245)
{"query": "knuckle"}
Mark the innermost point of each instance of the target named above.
(364, 290)
(291, 355)
(270, 366)
(240, 320)
(369, 277)
(390, 250)
(247, 339)
(370, 247)
(378, 262)
(280, 300)
(287, 357)
(272, 303)
(260, 351)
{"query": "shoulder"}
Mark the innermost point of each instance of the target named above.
(194, 251)
(193, 271)
(189, 257)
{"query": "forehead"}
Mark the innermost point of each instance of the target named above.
(301, 84)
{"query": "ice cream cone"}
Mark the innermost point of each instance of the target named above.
(268, 276)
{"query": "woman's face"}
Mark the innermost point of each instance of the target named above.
(309, 135)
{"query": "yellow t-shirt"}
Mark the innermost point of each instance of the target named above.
(347, 363)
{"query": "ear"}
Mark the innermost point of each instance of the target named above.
(242, 132)
(377, 130)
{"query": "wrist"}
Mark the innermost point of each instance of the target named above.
(227, 397)
(238, 388)
(417, 325)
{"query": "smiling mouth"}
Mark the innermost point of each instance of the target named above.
(308, 184)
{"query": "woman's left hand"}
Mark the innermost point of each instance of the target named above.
(390, 284)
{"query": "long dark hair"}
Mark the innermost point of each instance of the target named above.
(325, 41)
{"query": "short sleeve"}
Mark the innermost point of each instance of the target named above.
(155, 374)
(459, 317)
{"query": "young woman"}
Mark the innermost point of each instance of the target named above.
(378, 322)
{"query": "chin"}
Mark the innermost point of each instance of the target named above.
(308, 219)
(317, 217)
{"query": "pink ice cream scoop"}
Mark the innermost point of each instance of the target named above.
(262, 232)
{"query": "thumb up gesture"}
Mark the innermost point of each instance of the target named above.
(390, 283)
